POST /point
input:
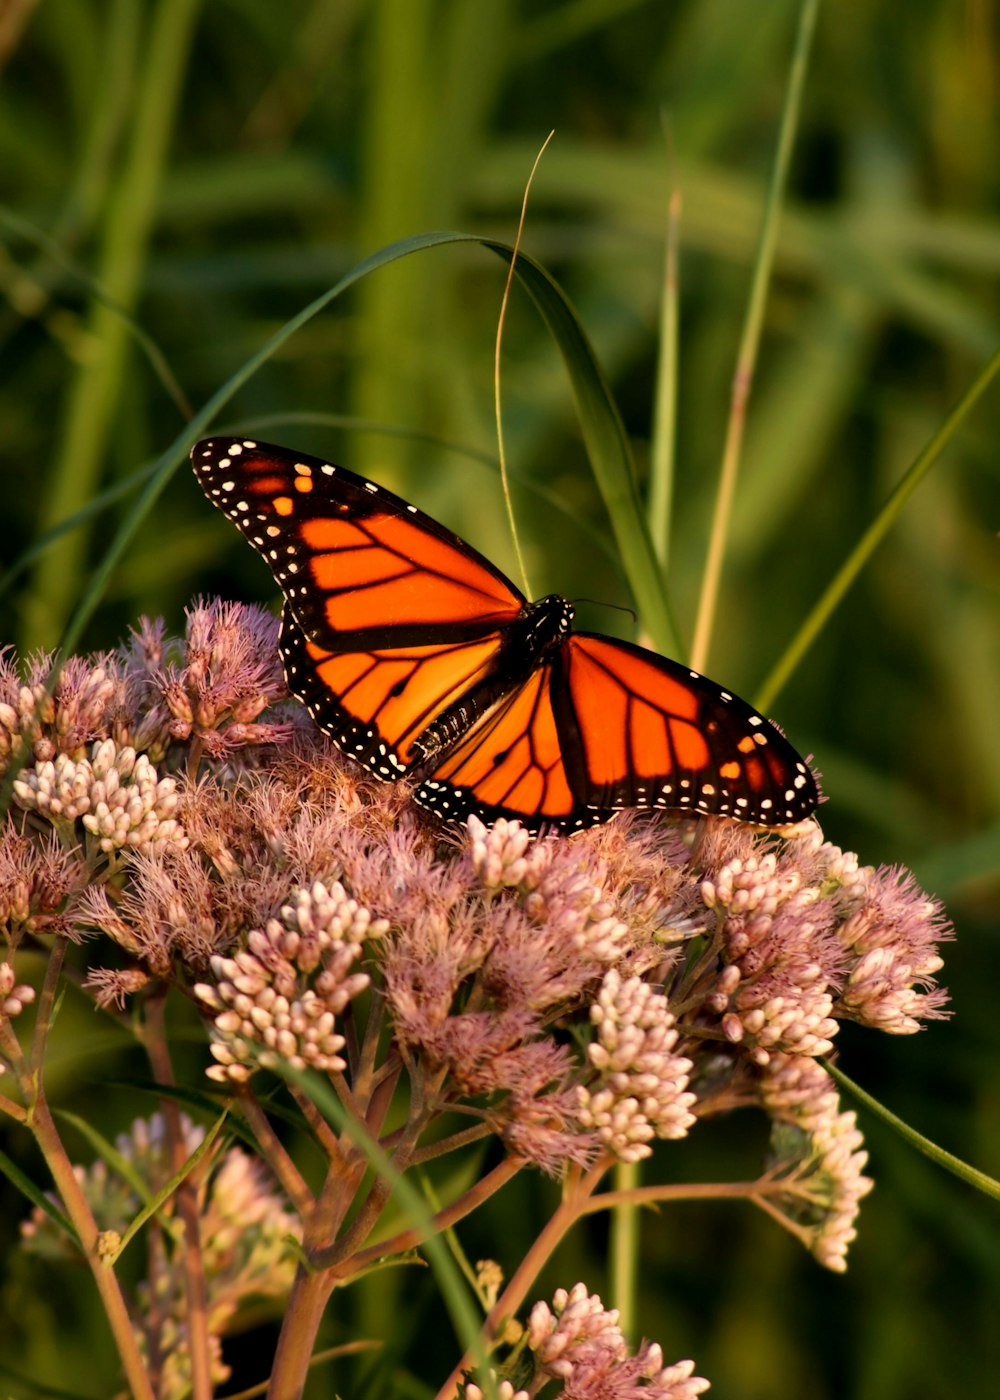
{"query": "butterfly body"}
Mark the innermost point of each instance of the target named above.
(536, 632)
(421, 659)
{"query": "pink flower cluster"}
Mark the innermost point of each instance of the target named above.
(265, 1011)
(578, 998)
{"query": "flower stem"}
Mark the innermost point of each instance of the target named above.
(76, 1207)
(274, 1154)
(448, 1216)
(195, 1285)
(579, 1189)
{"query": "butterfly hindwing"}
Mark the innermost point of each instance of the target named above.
(656, 734)
(374, 703)
(605, 725)
(516, 762)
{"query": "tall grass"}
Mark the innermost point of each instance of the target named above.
(215, 168)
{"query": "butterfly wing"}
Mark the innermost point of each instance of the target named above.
(518, 761)
(375, 703)
(603, 725)
(389, 617)
(358, 566)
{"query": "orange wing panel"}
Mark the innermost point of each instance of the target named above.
(513, 760)
(399, 692)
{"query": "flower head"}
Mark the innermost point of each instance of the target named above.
(579, 1342)
(229, 673)
(278, 998)
(818, 1150)
(117, 792)
(892, 935)
(641, 1089)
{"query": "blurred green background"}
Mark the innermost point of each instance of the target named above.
(216, 165)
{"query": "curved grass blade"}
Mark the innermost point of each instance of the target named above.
(873, 536)
(158, 363)
(107, 1152)
(970, 1175)
(447, 1273)
(37, 1197)
(603, 432)
(124, 487)
(746, 359)
(153, 1205)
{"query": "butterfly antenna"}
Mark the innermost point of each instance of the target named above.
(505, 484)
(618, 607)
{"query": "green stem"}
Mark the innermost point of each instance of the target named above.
(95, 392)
(75, 1204)
(746, 359)
(625, 1246)
(661, 457)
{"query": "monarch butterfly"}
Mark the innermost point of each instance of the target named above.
(421, 659)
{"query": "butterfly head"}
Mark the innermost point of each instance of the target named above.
(546, 624)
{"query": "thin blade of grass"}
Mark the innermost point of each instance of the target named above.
(153, 1205)
(108, 1153)
(972, 1176)
(746, 359)
(662, 446)
(601, 425)
(873, 536)
(447, 1273)
(98, 382)
(37, 1197)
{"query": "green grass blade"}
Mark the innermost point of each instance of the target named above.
(607, 446)
(603, 432)
(874, 536)
(970, 1175)
(107, 1151)
(164, 1194)
(465, 1318)
(746, 359)
(662, 445)
(37, 1197)
(98, 382)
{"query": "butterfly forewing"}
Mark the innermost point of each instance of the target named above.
(357, 565)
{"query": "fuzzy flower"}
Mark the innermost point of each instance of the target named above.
(579, 1342)
(163, 917)
(641, 1090)
(498, 852)
(265, 1011)
(25, 708)
(37, 874)
(230, 673)
(118, 793)
(46, 714)
(893, 935)
(782, 961)
(818, 1151)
